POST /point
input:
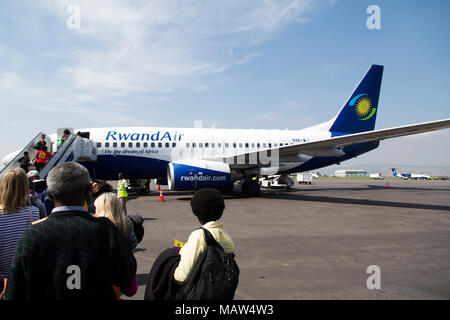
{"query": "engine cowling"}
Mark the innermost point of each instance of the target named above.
(197, 174)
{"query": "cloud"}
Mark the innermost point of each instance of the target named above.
(143, 46)
(11, 59)
(110, 118)
(9, 80)
(127, 55)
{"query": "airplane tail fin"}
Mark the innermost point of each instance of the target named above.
(360, 111)
(394, 171)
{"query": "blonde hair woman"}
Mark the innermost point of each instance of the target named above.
(107, 205)
(16, 214)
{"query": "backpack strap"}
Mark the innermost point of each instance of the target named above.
(209, 239)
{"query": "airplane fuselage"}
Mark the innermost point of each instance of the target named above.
(145, 152)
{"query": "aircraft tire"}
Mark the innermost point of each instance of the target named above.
(229, 188)
(251, 188)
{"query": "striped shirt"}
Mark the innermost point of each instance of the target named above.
(12, 225)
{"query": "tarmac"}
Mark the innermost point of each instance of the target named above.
(317, 241)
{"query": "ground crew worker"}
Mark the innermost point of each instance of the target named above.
(147, 185)
(122, 193)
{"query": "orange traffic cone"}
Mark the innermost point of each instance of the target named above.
(159, 189)
(387, 185)
(161, 197)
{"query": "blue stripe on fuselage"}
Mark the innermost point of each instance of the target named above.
(108, 167)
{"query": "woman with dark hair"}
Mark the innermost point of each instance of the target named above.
(98, 187)
(207, 205)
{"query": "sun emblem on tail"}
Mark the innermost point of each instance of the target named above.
(363, 107)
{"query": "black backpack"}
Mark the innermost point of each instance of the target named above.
(138, 226)
(215, 276)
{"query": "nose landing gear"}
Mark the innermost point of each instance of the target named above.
(251, 187)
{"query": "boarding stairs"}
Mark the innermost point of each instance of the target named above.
(74, 149)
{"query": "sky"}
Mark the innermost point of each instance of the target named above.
(233, 64)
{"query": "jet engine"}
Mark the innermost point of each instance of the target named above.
(197, 174)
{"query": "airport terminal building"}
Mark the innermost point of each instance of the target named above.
(350, 173)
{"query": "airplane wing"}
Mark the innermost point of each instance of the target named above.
(361, 137)
(341, 141)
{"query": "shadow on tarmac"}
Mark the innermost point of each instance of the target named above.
(367, 188)
(364, 202)
(293, 194)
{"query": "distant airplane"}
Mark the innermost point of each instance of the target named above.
(420, 176)
(414, 176)
(401, 175)
(193, 158)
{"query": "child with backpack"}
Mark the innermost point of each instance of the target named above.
(204, 268)
(196, 264)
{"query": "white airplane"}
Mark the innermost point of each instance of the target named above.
(420, 176)
(192, 158)
(404, 176)
(414, 176)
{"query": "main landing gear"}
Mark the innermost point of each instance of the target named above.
(251, 187)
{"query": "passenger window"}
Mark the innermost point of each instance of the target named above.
(270, 145)
(193, 144)
(174, 144)
(234, 144)
(152, 145)
(258, 145)
(206, 144)
(227, 145)
(138, 145)
(159, 144)
(114, 144)
(200, 145)
(219, 145)
(281, 144)
(187, 145)
(253, 145)
(264, 145)
(145, 144)
(240, 145)
(275, 145)
(122, 144)
(106, 144)
(213, 145)
(167, 145)
(246, 145)
(130, 144)
(99, 144)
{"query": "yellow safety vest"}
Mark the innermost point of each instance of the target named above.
(122, 190)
